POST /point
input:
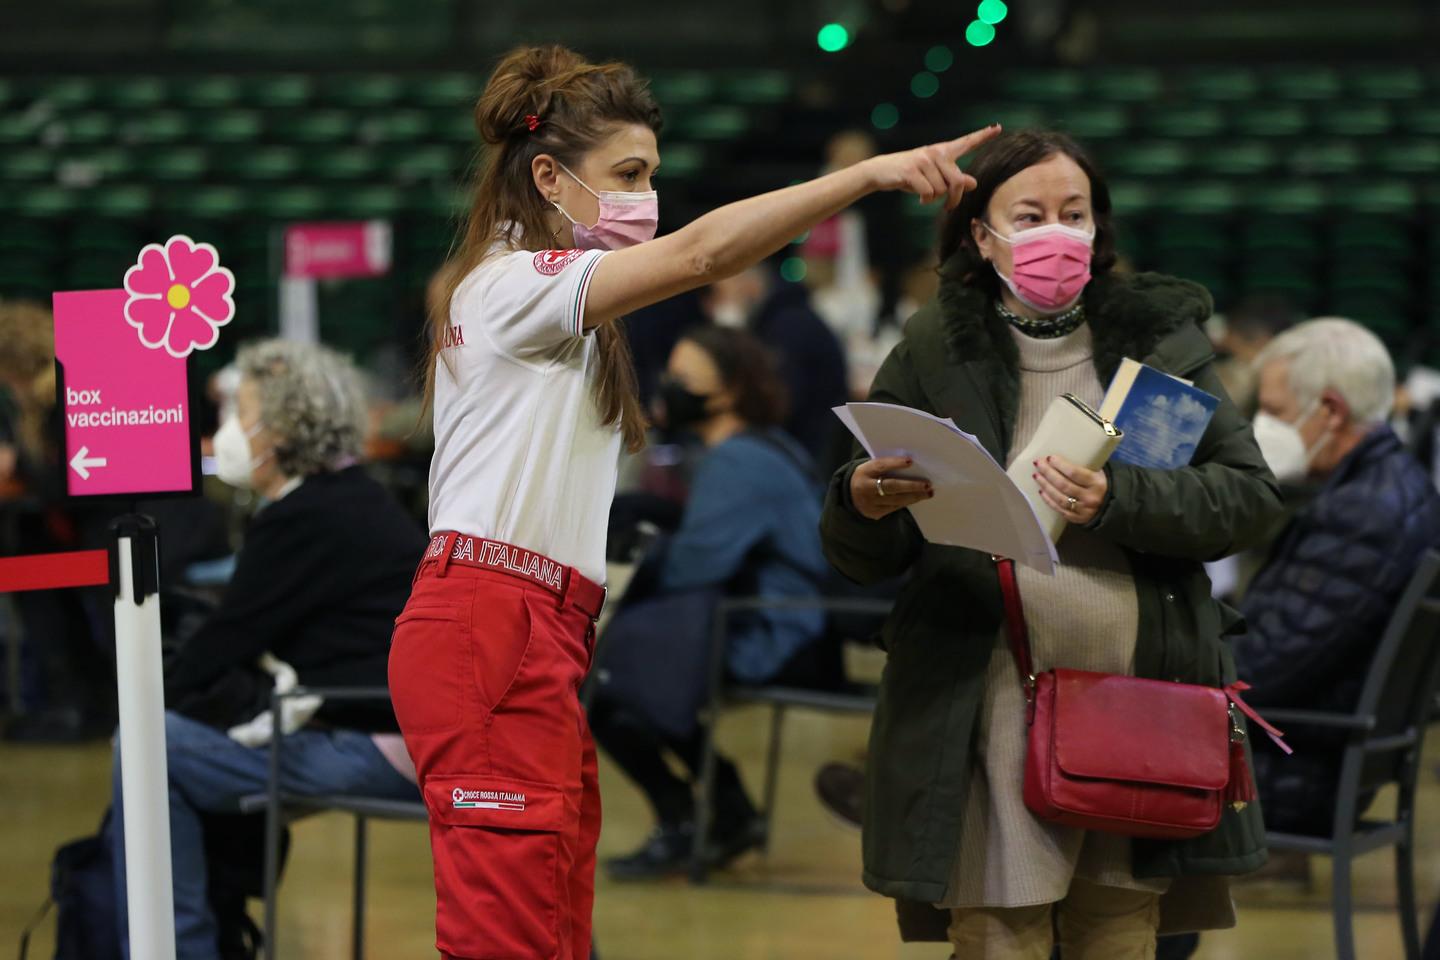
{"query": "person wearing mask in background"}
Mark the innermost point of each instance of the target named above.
(1242, 333)
(812, 363)
(749, 529)
(1318, 607)
(1029, 308)
(534, 399)
(325, 567)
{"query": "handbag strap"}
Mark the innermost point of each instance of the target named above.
(1015, 627)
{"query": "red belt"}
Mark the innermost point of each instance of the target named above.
(567, 584)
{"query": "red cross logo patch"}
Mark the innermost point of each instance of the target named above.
(551, 262)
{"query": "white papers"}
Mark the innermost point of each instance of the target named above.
(975, 504)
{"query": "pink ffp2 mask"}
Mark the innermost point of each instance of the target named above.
(1051, 265)
(626, 219)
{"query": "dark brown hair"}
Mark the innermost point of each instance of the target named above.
(576, 105)
(995, 163)
(748, 371)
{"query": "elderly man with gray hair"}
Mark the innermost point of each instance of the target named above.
(324, 570)
(1317, 608)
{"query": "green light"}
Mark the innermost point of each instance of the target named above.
(979, 33)
(833, 37)
(924, 84)
(885, 116)
(793, 269)
(992, 11)
(939, 59)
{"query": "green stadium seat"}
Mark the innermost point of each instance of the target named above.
(1422, 119)
(1387, 83)
(68, 93)
(1409, 157)
(88, 127)
(398, 126)
(1325, 158)
(1191, 235)
(1355, 236)
(1011, 115)
(716, 124)
(174, 164)
(17, 128)
(97, 271)
(428, 162)
(314, 126)
(1188, 121)
(1305, 83)
(371, 202)
(680, 159)
(110, 163)
(99, 234)
(1151, 158)
(266, 164)
(1270, 119)
(455, 126)
(1291, 238)
(682, 88)
(445, 91)
(32, 163)
(208, 92)
(292, 203)
(8, 92)
(1223, 84)
(1355, 119)
(1238, 158)
(33, 240)
(134, 93)
(206, 203)
(26, 279)
(47, 202)
(443, 203)
(342, 163)
(121, 201)
(755, 87)
(284, 91)
(157, 126)
(365, 91)
(1045, 86)
(229, 127)
(1291, 197)
(1129, 199)
(1095, 122)
(1278, 278)
(1391, 197)
(1126, 84)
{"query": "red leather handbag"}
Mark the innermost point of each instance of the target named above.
(1120, 754)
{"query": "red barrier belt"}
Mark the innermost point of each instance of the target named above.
(54, 571)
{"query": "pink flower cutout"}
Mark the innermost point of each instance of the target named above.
(180, 296)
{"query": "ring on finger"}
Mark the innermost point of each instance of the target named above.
(880, 486)
(1070, 503)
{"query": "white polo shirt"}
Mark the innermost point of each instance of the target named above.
(520, 453)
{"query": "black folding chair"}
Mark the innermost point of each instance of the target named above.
(1384, 738)
(723, 695)
(279, 806)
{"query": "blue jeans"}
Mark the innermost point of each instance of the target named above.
(209, 772)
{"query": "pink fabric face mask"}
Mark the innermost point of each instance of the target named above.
(1051, 265)
(626, 219)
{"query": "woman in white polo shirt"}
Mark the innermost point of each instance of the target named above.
(534, 398)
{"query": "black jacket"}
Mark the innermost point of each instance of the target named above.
(321, 578)
(811, 362)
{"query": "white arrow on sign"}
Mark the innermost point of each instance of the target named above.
(82, 462)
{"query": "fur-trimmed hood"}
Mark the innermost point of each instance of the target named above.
(1141, 316)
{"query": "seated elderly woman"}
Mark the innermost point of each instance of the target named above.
(325, 568)
(750, 527)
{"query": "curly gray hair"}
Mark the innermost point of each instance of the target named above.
(310, 400)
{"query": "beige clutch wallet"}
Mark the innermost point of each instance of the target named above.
(1071, 429)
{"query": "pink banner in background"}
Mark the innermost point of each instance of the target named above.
(332, 250)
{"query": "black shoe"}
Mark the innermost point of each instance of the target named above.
(728, 844)
(841, 789)
(665, 853)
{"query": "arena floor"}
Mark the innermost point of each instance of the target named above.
(805, 901)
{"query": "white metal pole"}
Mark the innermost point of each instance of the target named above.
(142, 751)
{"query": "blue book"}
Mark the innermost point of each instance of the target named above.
(1163, 417)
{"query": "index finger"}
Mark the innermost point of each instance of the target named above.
(960, 146)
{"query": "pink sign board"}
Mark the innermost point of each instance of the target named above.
(332, 250)
(126, 406)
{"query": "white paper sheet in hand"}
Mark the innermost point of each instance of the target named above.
(976, 505)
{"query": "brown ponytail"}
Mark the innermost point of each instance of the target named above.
(576, 105)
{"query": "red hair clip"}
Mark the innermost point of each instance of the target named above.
(532, 121)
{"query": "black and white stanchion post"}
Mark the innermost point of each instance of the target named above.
(135, 575)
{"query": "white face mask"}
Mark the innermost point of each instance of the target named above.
(732, 315)
(234, 463)
(1284, 448)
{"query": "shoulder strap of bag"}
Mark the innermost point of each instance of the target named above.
(1015, 627)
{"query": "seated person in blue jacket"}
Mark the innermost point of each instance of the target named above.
(750, 528)
(325, 568)
(1317, 608)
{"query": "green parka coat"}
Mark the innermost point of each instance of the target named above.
(958, 360)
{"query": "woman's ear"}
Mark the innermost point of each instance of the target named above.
(546, 174)
(982, 238)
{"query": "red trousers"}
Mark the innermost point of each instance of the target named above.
(485, 670)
